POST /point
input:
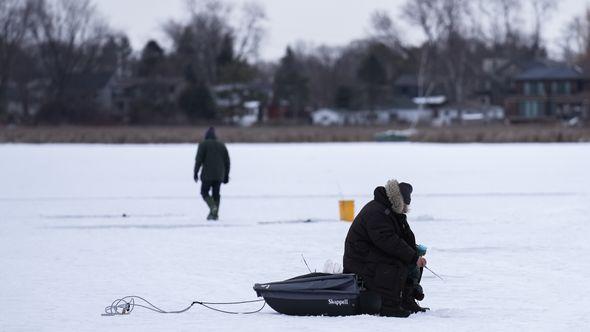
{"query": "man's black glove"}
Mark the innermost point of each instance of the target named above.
(226, 179)
(196, 177)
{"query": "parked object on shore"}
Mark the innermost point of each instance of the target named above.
(327, 117)
(249, 114)
(466, 114)
(395, 135)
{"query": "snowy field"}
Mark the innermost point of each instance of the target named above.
(507, 227)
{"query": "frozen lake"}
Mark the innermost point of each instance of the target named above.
(507, 226)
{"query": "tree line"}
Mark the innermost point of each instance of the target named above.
(52, 50)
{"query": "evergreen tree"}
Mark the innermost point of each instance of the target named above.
(372, 73)
(197, 102)
(189, 74)
(226, 54)
(151, 60)
(115, 54)
(344, 97)
(290, 84)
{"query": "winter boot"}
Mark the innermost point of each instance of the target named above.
(215, 209)
(393, 309)
(418, 293)
(212, 208)
(410, 295)
(413, 307)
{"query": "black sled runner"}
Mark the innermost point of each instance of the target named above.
(320, 294)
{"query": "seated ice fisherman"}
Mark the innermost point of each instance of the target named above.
(381, 248)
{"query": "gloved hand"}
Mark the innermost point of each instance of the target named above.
(226, 179)
(196, 177)
(421, 262)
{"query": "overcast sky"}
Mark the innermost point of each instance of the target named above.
(332, 22)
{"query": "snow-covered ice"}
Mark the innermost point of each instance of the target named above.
(507, 227)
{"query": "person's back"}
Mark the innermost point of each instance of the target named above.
(213, 158)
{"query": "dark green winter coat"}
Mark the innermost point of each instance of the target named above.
(213, 157)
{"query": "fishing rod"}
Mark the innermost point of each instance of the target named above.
(426, 267)
(421, 251)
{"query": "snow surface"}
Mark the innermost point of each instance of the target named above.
(507, 227)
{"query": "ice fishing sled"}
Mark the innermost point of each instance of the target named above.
(320, 294)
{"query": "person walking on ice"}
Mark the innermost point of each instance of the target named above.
(381, 248)
(213, 158)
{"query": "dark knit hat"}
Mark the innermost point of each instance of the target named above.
(406, 190)
(210, 134)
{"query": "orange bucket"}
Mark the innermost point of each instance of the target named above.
(346, 210)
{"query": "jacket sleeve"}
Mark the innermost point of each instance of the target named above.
(199, 160)
(383, 235)
(226, 162)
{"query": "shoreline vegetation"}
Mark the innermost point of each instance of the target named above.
(291, 134)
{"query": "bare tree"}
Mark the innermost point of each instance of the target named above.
(386, 31)
(250, 32)
(576, 40)
(14, 22)
(209, 39)
(422, 14)
(68, 34)
(318, 64)
(504, 19)
(542, 10)
(454, 17)
(447, 26)
(199, 42)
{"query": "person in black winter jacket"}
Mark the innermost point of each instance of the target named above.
(381, 248)
(213, 157)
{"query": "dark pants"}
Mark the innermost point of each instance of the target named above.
(395, 283)
(213, 186)
(388, 281)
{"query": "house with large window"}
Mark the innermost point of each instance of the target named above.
(549, 92)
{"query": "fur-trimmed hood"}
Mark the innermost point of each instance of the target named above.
(395, 197)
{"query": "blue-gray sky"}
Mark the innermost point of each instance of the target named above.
(332, 22)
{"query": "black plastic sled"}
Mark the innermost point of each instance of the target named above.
(320, 294)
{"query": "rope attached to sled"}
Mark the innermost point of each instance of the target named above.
(125, 305)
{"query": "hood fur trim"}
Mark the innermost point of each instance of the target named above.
(395, 197)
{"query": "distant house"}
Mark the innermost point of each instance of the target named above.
(126, 93)
(365, 118)
(330, 117)
(421, 109)
(229, 96)
(406, 85)
(468, 112)
(26, 99)
(412, 107)
(496, 82)
(241, 103)
(83, 91)
(327, 117)
(405, 88)
(251, 114)
(95, 88)
(549, 92)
